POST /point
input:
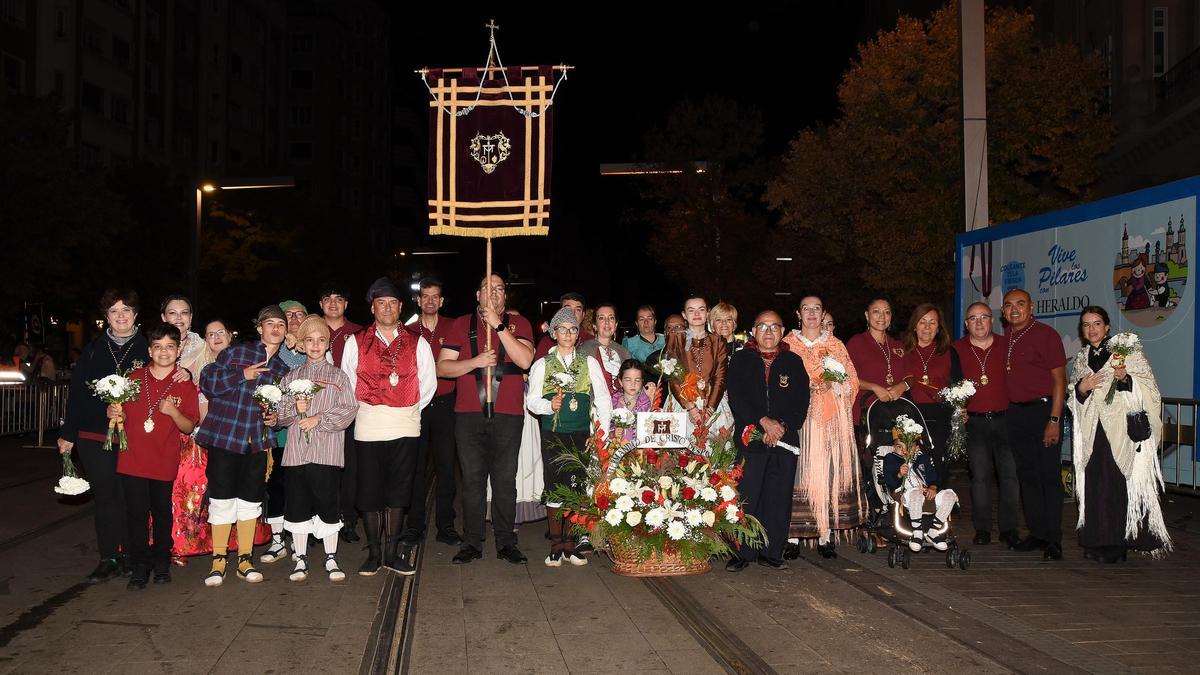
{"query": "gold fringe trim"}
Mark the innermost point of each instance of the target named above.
(491, 232)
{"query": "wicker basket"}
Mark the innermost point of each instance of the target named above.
(626, 563)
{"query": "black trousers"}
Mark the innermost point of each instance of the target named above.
(312, 490)
(1038, 469)
(100, 469)
(991, 461)
(438, 447)
(276, 486)
(766, 486)
(147, 499)
(348, 497)
(489, 448)
(386, 476)
(235, 476)
(937, 418)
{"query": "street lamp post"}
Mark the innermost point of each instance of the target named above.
(209, 187)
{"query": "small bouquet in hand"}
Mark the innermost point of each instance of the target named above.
(908, 432)
(1121, 345)
(832, 370)
(116, 389)
(71, 484)
(563, 381)
(304, 390)
(268, 397)
(957, 396)
(623, 418)
(752, 433)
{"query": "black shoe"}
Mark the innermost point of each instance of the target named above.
(411, 536)
(736, 565)
(348, 534)
(512, 554)
(827, 551)
(584, 545)
(124, 566)
(162, 573)
(1111, 554)
(138, 579)
(371, 565)
(399, 565)
(1010, 539)
(1091, 554)
(1030, 543)
(791, 551)
(466, 554)
(105, 570)
(448, 537)
(772, 563)
(1053, 552)
(982, 538)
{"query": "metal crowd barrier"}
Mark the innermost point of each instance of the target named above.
(1178, 449)
(30, 407)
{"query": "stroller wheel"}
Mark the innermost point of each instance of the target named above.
(964, 560)
(892, 555)
(862, 543)
(871, 545)
(951, 559)
(906, 561)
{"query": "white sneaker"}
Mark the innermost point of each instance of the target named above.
(940, 544)
(276, 551)
(575, 558)
(914, 544)
(554, 559)
(301, 571)
(331, 566)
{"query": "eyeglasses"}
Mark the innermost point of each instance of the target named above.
(979, 317)
(218, 333)
(807, 309)
(768, 327)
(566, 330)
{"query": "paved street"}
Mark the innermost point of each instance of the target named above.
(1009, 612)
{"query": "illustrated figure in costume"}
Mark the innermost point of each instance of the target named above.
(1118, 479)
(1137, 294)
(829, 500)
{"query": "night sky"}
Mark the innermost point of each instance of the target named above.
(633, 64)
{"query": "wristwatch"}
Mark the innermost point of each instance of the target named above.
(1054, 418)
(499, 328)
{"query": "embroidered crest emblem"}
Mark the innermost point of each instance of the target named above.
(489, 151)
(784, 381)
(898, 351)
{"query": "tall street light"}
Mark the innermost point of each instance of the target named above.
(208, 187)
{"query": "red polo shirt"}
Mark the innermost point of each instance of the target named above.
(436, 338)
(871, 363)
(993, 396)
(337, 339)
(510, 399)
(155, 454)
(920, 361)
(1035, 351)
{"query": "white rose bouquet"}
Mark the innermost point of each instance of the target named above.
(909, 432)
(957, 395)
(1121, 345)
(116, 389)
(268, 397)
(303, 390)
(71, 484)
(623, 418)
(832, 370)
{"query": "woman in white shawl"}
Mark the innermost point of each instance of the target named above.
(1118, 481)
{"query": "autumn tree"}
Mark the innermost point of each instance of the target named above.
(709, 224)
(878, 193)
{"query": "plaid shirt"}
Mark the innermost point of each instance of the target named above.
(234, 420)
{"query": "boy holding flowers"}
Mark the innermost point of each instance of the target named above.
(163, 410)
(317, 407)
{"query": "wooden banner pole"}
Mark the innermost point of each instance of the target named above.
(487, 373)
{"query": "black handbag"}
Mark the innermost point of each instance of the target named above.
(1137, 425)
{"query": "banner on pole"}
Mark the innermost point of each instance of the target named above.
(490, 145)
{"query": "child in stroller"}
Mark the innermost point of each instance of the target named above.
(913, 482)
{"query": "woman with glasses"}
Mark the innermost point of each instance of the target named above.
(934, 365)
(605, 348)
(567, 389)
(828, 500)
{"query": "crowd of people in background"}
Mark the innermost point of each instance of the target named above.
(369, 414)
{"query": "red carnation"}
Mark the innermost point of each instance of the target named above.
(689, 493)
(714, 479)
(651, 456)
(748, 434)
(602, 502)
(648, 496)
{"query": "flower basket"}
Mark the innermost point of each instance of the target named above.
(626, 563)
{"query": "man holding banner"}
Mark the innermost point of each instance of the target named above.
(488, 352)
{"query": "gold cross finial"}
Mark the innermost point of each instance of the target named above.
(491, 25)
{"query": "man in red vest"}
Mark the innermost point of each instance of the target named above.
(393, 375)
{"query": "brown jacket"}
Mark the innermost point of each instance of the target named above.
(714, 359)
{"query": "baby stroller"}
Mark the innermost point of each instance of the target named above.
(888, 523)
